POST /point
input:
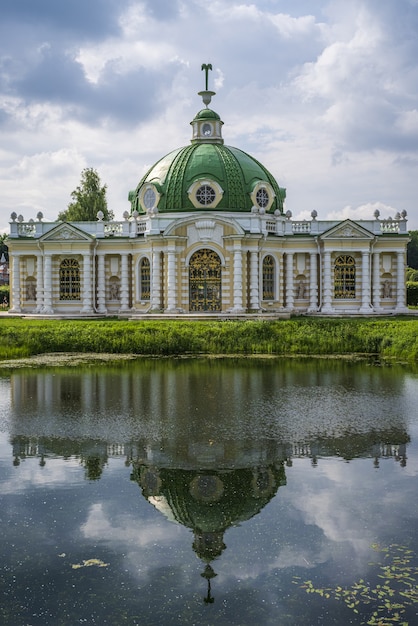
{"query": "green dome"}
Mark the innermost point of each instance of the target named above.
(207, 175)
(236, 173)
(206, 114)
(209, 502)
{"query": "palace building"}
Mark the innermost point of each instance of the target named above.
(207, 233)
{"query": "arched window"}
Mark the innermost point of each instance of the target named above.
(269, 278)
(345, 277)
(69, 280)
(145, 279)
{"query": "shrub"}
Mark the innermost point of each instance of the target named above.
(412, 293)
(4, 296)
(412, 275)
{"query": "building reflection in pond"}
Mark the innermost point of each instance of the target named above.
(211, 459)
(211, 500)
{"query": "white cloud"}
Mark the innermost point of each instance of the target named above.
(324, 95)
(31, 475)
(363, 212)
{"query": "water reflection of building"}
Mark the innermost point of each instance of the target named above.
(209, 486)
(209, 443)
(48, 448)
(278, 410)
(209, 501)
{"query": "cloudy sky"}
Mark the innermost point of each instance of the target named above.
(324, 93)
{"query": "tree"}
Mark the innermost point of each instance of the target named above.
(4, 250)
(88, 199)
(412, 250)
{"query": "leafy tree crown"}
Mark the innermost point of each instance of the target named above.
(88, 199)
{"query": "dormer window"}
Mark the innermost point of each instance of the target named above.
(149, 197)
(262, 195)
(205, 194)
(262, 198)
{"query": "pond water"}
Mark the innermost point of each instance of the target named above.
(209, 492)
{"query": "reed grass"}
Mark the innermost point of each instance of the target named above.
(394, 338)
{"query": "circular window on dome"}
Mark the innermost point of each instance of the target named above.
(205, 195)
(149, 197)
(262, 198)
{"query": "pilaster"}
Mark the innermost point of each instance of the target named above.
(171, 279)
(16, 286)
(124, 283)
(400, 283)
(290, 287)
(156, 280)
(313, 283)
(327, 284)
(101, 284)
(366, 306)
(376, 281)
(87, 286)
(48, 285)
(39, 283)
(237, 307)
(254, 281)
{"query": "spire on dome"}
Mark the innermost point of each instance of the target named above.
(206, 94)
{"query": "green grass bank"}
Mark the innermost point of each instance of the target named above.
(388, 338)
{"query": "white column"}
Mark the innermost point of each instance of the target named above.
(87, 285)
(101, 283)
(48, 285)
(400, 283)
(376, 281)
(124, 284)
(313, 283)
(327, 285)
(280, 280)
(237, 278)
(156, 280)
(39, 283)
(290, 287)
(16, 302)
(254, 282)
(365, 282)
(171, 279)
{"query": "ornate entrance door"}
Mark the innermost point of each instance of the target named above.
(205, 281)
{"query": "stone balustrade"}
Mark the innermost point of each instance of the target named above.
(135, 227)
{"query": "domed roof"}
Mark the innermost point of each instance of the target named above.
(236, 173)
(209, 501)
(207, 175)
(206, 114)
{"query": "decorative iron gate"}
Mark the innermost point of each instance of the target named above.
(205, 281)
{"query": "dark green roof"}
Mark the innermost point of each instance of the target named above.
(234, 170)
(206, 114)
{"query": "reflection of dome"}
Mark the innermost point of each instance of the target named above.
(209, 175)
(209, 502)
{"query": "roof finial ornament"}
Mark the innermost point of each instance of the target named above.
(206, 67)
(206, 95)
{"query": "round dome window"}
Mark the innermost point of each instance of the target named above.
(262, 198)
(149, 198)
(205, 195)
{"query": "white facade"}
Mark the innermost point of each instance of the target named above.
(219, 263)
